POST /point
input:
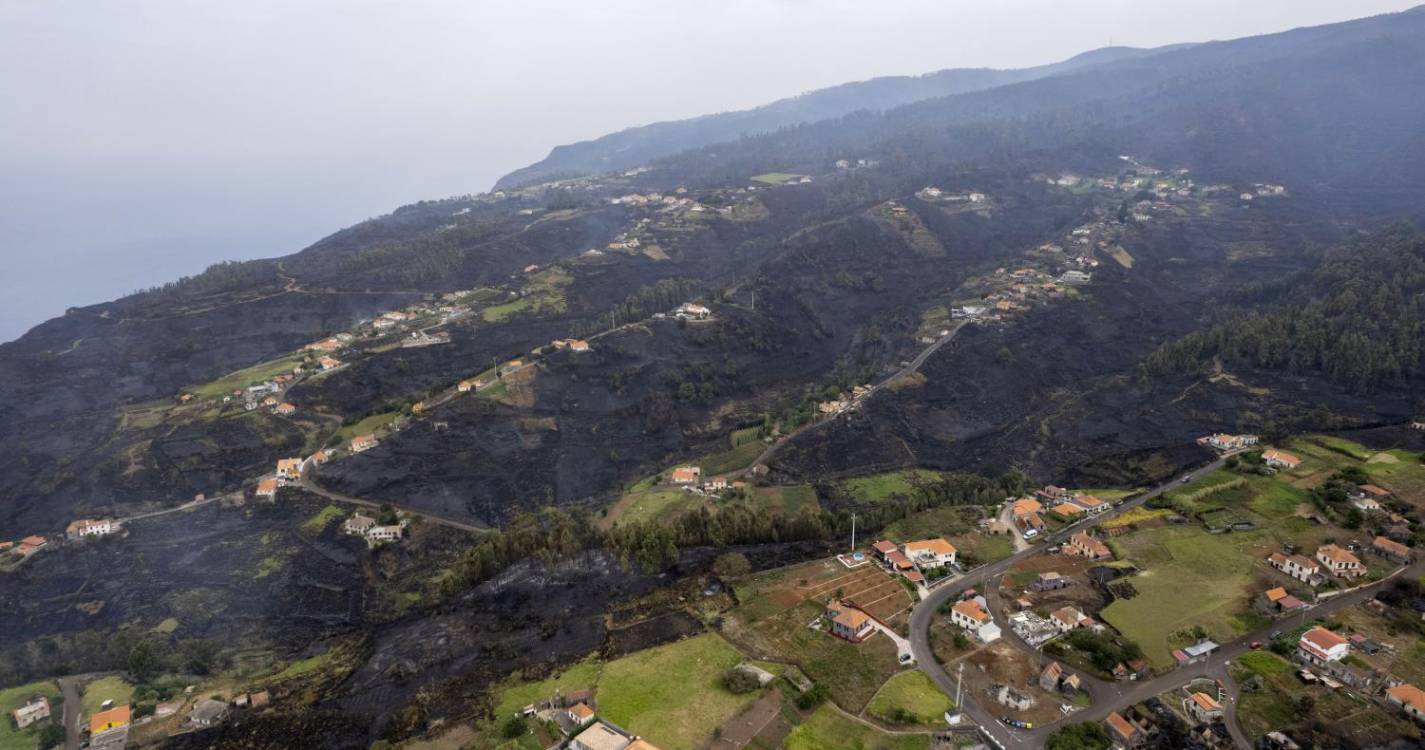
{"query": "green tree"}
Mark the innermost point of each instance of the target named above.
(732, 565)
(51, 736)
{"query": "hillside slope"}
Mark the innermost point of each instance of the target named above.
(639, 145)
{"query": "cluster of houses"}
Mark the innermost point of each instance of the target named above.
(24, 548)
(916, 559)
(575, 716)
(373, 532)
(1340, 562)
(573, 345)
(692, 311)
(935, 194)
(92, 527)
(847, 402)
(1228, 443)
(1026, 512)
(691, 479)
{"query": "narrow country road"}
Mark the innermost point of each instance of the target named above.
(73, 708)
(909, 368)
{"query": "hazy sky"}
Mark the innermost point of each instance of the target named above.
(141, 140)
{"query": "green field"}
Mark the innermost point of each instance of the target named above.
(544, 295)
(306, 666)
(516, 694)
(655, 505)
(827, 729)
(877, 487)
(792, 500)
(775, 178)
(672, 694)
(11, 699)
(103, 689)
(1188, 577)
(323, 518)
(1121, 255)
(243, 378)
(730, 460)
(914, 694)
(366, 426)
(744, 436)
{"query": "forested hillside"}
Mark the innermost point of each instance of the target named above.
(1357, 319)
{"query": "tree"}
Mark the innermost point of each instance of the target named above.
(740, 681)
(1087, 735)
(732, 565)
(515, 727)
(142, 662)
(51, 736)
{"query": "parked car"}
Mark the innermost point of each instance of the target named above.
(1254, 645)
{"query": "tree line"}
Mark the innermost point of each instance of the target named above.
(1356, 321)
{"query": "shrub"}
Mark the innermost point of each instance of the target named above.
(740, 681)
(515, 727)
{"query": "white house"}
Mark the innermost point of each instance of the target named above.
(930, 553)
(970, 614)
(1411, 700)
(91, 527)
(36, 710)
(1320, 646)
(385, 533)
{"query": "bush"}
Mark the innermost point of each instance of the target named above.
(732, 565)
(515, 727)
(811, 698)
(51, 736)
(1088, 735)
(739, 681)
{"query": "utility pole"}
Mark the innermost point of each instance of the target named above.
(853, 532)
(754, 300)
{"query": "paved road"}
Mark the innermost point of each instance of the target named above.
(909, 368)
(925, 612)
(309, 484)
(73, 708)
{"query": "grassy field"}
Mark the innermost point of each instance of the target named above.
(1121, 255)
(323, 518)
(366, 426)
(730, 460)
(11, 699)
(877, 487)
(791, 500)
(103, 689)
(672, 694)
(957, 525)
(516, 694)
(243, 378)
(775, 178)
(827, 728)
(653, 505)
(306, 666)
(1188, 577)
(912, 693)
(852, 672)
(744, 436)
(545, 294)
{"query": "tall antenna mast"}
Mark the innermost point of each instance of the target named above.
(853, 532)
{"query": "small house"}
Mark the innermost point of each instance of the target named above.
(848, 622)
(1340, 562)
(1123, 732)
(267, 488)
(1203, 707)
(363, 443)
(686, 474)
(1409, 698)
(580, 714)
(358, 525)
(1280, 459)
(1391, 550)
(930, 552)
(208, 712)
(1321, 646)
(1083, 545)
(37, 709)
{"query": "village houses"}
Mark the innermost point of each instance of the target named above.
(289, 469)
(1123, 732)
(687, 474)
(267, 488)
(1203, 707)
(930, 553)
(1280, 459)
(1301, 568)
(1068, 618)
(970, 614)
(849, 622)
(329, 363)
(1339, 562)
(358, 524)
(91, 527)
(37, 709)
(1321, 646)
(363, 443)
(1224, 442)
(1409, 698)
(1391, 550)
(1083, 545)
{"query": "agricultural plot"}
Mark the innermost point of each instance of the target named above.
(792, 500)
(878, 487)
(910, 698)
(776, 178)
(1277, 705)
(243, 378)
(827, 728)
(778, 611)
